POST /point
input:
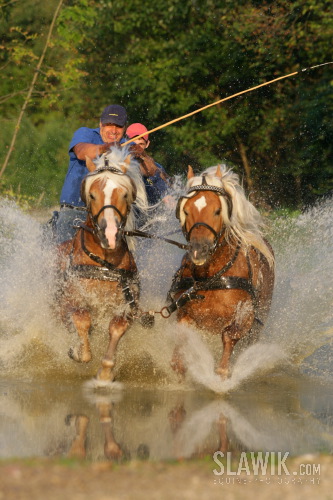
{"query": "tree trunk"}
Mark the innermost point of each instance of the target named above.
(31, 88)
(247, 168)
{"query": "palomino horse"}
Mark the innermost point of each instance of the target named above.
(225, 282)
(97, 265)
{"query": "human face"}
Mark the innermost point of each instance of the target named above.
(142, 142)
(110, 132)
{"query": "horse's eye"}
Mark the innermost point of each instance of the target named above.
(92, 197)
(126, 195)
(186, 212)
(217, 212)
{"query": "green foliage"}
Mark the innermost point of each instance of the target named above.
(39, 162)
(163, 60)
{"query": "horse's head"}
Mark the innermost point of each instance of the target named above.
(202, 213)
(108, 193)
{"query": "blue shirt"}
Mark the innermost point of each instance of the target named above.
(156, 187)
(77, 169)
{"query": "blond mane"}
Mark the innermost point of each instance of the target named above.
(246, 225)
(120, 159)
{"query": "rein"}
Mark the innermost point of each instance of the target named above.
(143, 234)
(136, 232)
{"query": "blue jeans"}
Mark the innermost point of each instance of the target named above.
(63, 221)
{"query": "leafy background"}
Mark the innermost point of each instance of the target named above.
(162, 60)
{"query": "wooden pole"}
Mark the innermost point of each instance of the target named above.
(223, 100)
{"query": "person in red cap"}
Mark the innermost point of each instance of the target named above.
(155, 178)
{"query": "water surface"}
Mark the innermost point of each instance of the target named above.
(279, 397)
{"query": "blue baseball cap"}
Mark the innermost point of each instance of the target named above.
(114, 114)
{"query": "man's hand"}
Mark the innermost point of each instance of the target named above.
(104, 148)
(136, 150)
(147, 164)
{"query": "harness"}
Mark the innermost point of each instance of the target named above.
(218, 281)
(128, 280)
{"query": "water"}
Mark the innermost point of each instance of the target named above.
(279, 396)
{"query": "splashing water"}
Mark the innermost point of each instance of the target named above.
(301, 318)
(298, 331)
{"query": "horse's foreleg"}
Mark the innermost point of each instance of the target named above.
(222, 429)
(78, 446)
(239, 327)
(229, 342)
(177, 361)
(112, 449)
(82, 323)
(117, 328)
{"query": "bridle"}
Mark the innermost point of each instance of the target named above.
(220, 191)
(96, 228)
(127, 279)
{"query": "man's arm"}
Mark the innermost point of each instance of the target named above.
(83, 149)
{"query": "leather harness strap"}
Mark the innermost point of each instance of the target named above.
(128, 280)
(216, 282)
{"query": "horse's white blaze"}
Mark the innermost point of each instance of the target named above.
(200, 203)
(111, 225)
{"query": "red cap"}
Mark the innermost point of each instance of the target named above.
(136, 129)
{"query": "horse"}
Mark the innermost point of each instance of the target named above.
(225, 282)
(97, 266)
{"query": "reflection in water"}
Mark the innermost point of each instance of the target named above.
(66, 420)
(267, 404)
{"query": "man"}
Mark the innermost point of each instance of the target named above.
(154, 176)
(92, 143)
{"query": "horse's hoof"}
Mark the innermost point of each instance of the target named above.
(76, 354)
(112, 451)
(223, 372)
(179, 367)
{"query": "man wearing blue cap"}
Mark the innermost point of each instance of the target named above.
(85, 142)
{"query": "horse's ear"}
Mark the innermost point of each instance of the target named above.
(90, 164)
(190, 172)
(218, 171)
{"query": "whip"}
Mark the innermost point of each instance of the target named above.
(225, 99)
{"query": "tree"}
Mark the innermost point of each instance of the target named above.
(164, 59)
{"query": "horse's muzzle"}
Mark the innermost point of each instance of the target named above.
(200, 251)
(107, 241)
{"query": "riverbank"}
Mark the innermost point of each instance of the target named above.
(193, 480)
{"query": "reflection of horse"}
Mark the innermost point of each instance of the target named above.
(78, 447)
(226, 278)
(98, 267)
